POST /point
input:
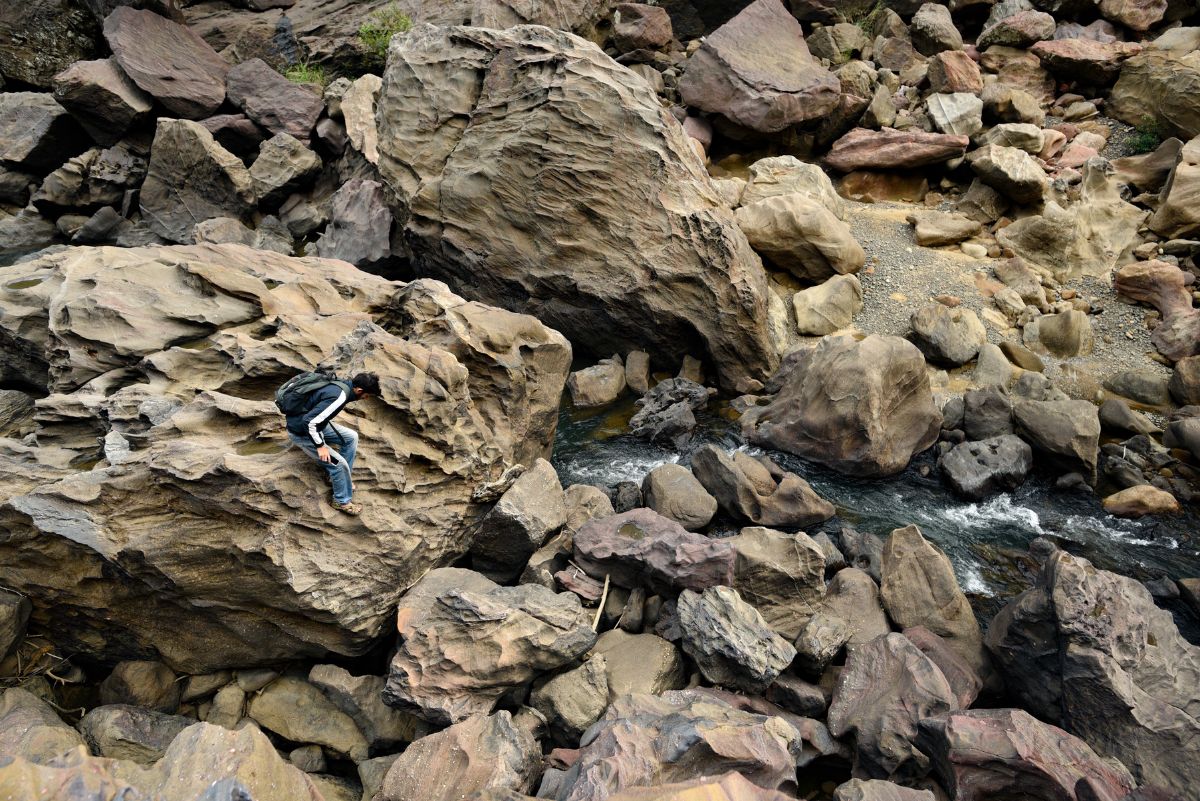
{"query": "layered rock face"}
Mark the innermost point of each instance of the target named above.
(506, 183)
(205, 539)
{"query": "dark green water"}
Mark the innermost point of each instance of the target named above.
(986, 541)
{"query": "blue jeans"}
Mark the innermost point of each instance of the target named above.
(343, 444)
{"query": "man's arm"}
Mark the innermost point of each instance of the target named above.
(321, 413)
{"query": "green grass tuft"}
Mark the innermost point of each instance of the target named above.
(1147, 136)
(379, 28)
(307, 73)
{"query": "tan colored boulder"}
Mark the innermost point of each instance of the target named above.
(1177, 215)
(151, 685)
(31, 729)
(299, 712)
(1163, 86)
(1065, 334)
(827, 307)
(948, 335)
(954, 71)
(1140, 501)
(781, 575)
(788, 175)
(729, 787)
(801, 236)
(758, 490)
(599, 384)
(673, 492)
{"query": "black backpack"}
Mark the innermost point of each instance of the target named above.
(291, 398)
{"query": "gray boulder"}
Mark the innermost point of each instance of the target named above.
(729, 640)
(985, 467)
(673, 491)
(947, 335)
(666, 412)
(528, 513)
(885, 690)
(36, 133)
(1090, 651)
(1066, 431)
(756, 489)
(360, 225)
(102, 97)
(639, 663)
(191, 179)
(131, 733)
(283, 166)
(598, 385)
(272, 101)
(572, 701)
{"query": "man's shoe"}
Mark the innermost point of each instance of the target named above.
(349, 507)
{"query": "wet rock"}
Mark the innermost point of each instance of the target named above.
(1141, 500)
(31, 730)
(800, 235)
(758, 490)
(673, 492)
(1065, 335)
(598, 385)
(272, 101)
(648, 741)
(781, 575)
(1089, 650)
(948, 335)
(919, 589)
(150, 685)
(572, 701)
(936, 228)
(990, 753)
(1091, 62)
(36, 133)
(639, 663)
(889, 149)
(964, 680)
(1011, 172)
(298, 711)
(982, 468)
(666, 411)
(131, 733)
(607, 224)
(886, 688)
(168, 61)
(102, 98)
(527, 514)
(756, 70)
(450, 664)
(284, 165)
(14, 616)
(641, 547)
(477, 754)
(360, 226)
(858, 406)
(729, 640)
(38, 40)
(361, 697)
(1066, 431)
(191, 179)
(828, 307)
(501, 387)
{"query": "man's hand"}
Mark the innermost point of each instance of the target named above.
(323, 454)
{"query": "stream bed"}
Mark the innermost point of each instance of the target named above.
(986, 540)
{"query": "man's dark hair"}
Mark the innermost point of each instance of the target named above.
(367, 382)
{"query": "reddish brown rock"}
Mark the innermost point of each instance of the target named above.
(1164, 287)
(963, 679)
(757, 71)
(1094, 63)
(889, 149)
(273, 101)
(758, 490)
(730, 787)
(954, 71)
(102, 98)
(1007, 753)
(1139, 15)
(168, 61)
(641, 546)
(640, 27)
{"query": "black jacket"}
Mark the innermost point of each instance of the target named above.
(321, 407)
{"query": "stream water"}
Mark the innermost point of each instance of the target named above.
(986, 541)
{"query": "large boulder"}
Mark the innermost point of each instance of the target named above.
(483, 752)
(1177, 215)
(730, 787)
(360, 225)
(802, 236)
(168, 61)
(1160, 85)
(191, 179)
(527, 514)
(756, 70)
(729, 640)
(101, 96)
(827, 307)
(646, 741)
(38, 40)
(182, 346)
(1092, 62)
(36, 133)
(781, 575)
(885, 690)
(1001, 753)
(299, 712)
(361, 697)
(31, 729)
(272, 101)
(788, 175)
(673, 491)
(976, 470)
(118, 731)
(887, 149)
(948, 335)
(1088, 650)
(859, 406)
(465, 641)
(1065, 431)
(919, 589)
(758, 490)
(850, 615)
(641, 547)
(500, 205)
(1165, 287)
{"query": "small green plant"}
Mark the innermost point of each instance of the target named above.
(1147, 136)
(379, 28)
(865, 18)
(307, 73)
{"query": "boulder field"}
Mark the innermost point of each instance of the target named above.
(944, 246)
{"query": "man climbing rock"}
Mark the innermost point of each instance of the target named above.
(310, 401)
